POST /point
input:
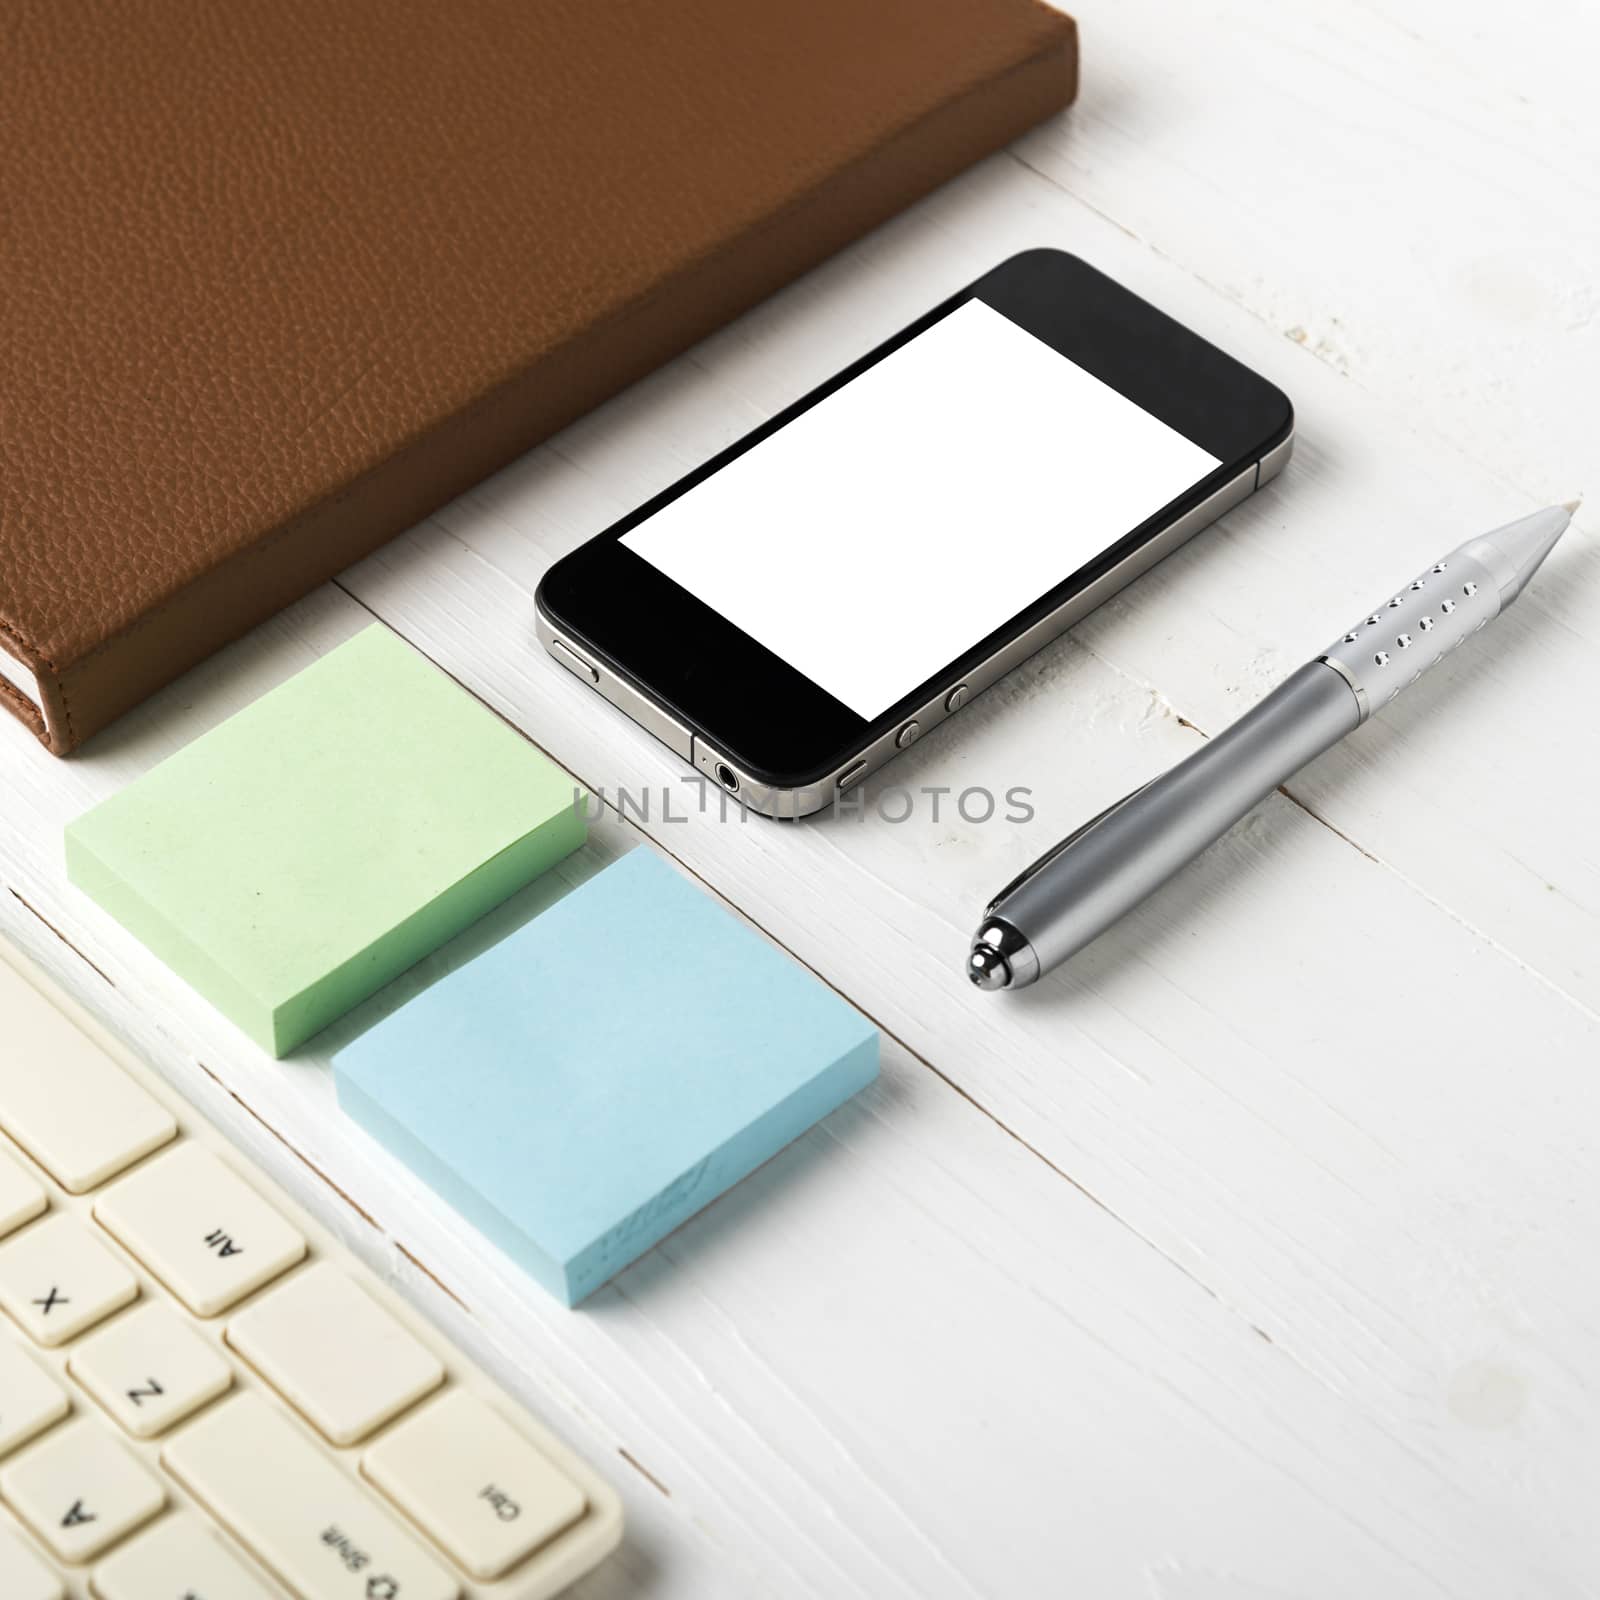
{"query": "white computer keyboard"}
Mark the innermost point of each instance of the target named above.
(203, 1396)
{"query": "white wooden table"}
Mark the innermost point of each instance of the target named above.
(1255, 1255)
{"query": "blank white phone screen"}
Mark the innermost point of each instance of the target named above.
(919, 507)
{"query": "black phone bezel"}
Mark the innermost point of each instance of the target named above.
(779, 727)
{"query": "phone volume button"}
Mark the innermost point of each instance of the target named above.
(573, 662)
(957, 697)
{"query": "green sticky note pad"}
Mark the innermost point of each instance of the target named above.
(297, 858)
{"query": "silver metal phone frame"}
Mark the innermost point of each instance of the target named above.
(806, 800)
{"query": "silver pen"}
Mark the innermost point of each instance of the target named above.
(1116, 859)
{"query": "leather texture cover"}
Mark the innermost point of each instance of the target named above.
(277, 279)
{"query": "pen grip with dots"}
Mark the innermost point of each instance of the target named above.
(1395, 643)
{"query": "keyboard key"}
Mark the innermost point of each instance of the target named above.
(146, 1454)
(30, 1399)
(335, 1354)
(284, 1498)
(80, 1490)
(57, 1279)
(150, 1369)
(23, 1576)
(200, 1228)
(178, 1559)
(64, 1100)
(21, 1198)
(464, 1475)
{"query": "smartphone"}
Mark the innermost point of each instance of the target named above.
(846, 577)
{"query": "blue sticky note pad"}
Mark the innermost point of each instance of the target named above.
(598, 1076)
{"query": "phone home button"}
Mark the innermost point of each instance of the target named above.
(907, 734)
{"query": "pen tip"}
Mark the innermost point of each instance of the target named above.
(1571, 506)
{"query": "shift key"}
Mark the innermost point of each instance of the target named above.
(280, 1495)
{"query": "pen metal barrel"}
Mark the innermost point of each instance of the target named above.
(1128, 853)
(1108, 866)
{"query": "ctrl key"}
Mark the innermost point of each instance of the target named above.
(468, 1478)
(284, 1499)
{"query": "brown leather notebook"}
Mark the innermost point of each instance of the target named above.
(278, 279)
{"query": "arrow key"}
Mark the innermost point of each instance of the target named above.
(80, 1490)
